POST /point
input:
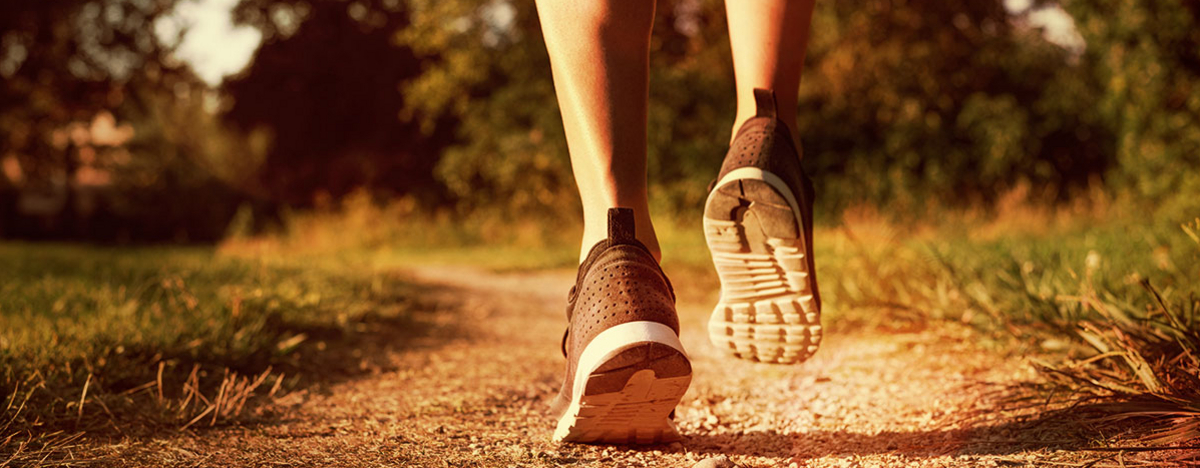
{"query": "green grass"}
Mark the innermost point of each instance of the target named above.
(88, 302)
(149, 337)
(1109, 309)
(1103, 294)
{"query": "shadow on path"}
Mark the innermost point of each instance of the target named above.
(1051, 430)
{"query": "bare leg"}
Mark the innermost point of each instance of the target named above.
(769, 39)
(599, 54)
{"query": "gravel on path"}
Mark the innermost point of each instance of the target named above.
(473, 389)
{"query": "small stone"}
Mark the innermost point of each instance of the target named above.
(721, 461)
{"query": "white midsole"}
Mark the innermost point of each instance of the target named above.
(605, 346)
(611, 342)
(758, 174)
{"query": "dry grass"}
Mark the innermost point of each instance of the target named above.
(1112, 345)
(1062, 279)
(400, 232)
(108, 345)
(100, 344)
(1143, 371)
(30, 437)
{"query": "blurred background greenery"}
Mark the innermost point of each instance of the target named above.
(111, 129)
(1029, 167)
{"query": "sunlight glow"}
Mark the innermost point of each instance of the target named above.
(1056, 24)
(211, 43)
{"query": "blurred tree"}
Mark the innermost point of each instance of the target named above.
(1145, 55)
(62, 61)
(70, 66)
(487, 70)
(907, 101)
(902, 101)
(325, 84)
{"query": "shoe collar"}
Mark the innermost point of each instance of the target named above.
(766, 117)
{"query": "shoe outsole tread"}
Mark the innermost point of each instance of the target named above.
(767, 311)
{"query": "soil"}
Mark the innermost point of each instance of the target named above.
(470, 385)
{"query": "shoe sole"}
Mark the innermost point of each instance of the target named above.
(628, 380)
(767, 311)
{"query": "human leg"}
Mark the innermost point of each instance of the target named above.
(758, 217)
(626, 369)
(599, 55)
(769, 39)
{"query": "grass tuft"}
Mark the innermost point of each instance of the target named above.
(109, 343)
(1108, 313)
(1145, 363)
(105, 343)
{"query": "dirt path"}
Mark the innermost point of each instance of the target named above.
(472, 389)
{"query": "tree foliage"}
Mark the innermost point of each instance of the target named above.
(1145, 57)
(326, 85)
(68, 66)
(943, 101)
(903, 103)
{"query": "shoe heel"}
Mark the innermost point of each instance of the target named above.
(626, 386)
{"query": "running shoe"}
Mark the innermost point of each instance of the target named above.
(758, 226)
(626, 369)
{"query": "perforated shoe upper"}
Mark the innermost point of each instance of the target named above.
(618, 282)
(766, 143)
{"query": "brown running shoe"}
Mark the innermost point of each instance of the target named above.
(758, 224)
(626, 369)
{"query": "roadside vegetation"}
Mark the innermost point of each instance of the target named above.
(107, 342)
(111, 342)
(1104, 298)
(1109, 313)
(972, 167)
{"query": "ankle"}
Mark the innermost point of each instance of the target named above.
(596, 229)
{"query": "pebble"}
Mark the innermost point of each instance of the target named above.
(715, 462)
